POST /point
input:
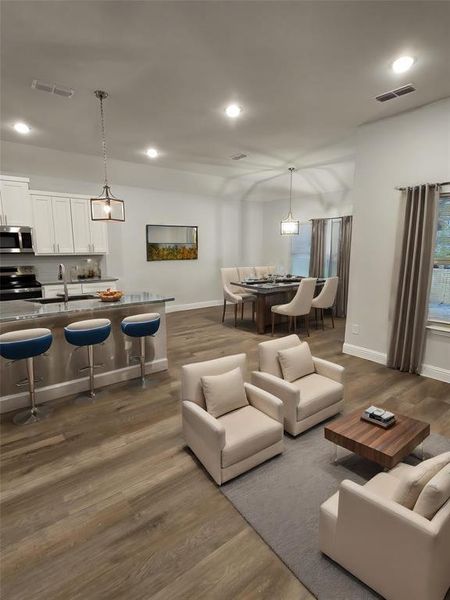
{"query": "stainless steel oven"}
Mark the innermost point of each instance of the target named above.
(15, 239)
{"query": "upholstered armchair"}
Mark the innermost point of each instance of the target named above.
(238, 440)
(393, 533)
(311, 388)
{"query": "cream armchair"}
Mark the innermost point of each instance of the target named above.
(308, 400)
(238, 440)
(395, 550)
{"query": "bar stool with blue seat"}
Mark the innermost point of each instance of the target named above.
(88, 333)
(25, 344)
(141, 326)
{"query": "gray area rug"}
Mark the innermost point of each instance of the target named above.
(281, 499)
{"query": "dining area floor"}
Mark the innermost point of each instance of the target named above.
(133, 514)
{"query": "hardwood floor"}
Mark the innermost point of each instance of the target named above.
(103, 501)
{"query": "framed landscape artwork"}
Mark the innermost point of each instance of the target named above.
(172, 242)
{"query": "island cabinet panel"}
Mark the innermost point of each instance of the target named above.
(43, 229)
(15, 202)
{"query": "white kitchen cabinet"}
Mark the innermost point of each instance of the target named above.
(52, 224)
(80, 226)
(90, 237)
(62, 222)
(52, 291)
(43, 229)
(99, 237)
(91, 288)
(15, 201)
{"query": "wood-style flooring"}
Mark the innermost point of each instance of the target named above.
(104, 502)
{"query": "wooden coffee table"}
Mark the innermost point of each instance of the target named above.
(386, 447)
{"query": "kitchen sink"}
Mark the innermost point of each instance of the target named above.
(61, 299)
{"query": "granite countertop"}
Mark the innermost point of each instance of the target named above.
(72, 281)
(18, 310)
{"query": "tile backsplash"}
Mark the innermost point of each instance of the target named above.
(46, 267)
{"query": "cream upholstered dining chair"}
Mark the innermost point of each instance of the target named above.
(299, 306)
(234, 294)
(262, 272)
(326, 298)
(246, 273)
(393, 533)
(310, 388)
(231, 426)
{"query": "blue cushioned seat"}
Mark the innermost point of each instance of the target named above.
(141, 325)
(88, 333)
(26, 343)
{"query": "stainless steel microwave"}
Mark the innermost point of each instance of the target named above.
(15, 239)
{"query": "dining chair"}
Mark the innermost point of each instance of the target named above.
(234, 294)
(326, 299)
(299, 306)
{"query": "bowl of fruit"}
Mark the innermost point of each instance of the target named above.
(110, 295)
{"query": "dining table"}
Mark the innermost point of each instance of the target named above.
(271, 292)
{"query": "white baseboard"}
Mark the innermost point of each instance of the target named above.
(373, 355)
(435, 373)
(170, 308)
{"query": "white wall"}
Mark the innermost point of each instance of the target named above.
(230, 230)
(408, 149)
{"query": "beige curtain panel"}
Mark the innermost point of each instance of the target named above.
(317, 256)
(343, 265)
(411, 306)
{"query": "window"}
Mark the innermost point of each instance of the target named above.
(332, 238)
(300, 250)
(439, 301)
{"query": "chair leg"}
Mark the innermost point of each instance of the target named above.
(224, 309)
(273, 323)
(321, 315)
(316, 317)
(242, 311)
(295, 324)
(307, 324)
(289, 324)
(235, 315)
(332, 316)
(253, 311)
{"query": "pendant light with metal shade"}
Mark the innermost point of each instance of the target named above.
(289, 225)
(106, 207)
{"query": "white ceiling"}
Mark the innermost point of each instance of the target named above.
(305, 73)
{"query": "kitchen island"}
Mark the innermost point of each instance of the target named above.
(60, 369)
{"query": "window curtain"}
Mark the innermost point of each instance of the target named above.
(410, 315)
(343, 265)
(316, 260)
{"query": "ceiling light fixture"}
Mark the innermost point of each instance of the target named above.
(289, 225)
(152, 153)
(22, 128)
(106, 207)
(233, 111)
(402, 64)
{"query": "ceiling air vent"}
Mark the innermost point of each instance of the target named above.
(401, 91)
(52, 88)
(239, 156)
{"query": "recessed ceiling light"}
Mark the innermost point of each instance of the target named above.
(22, 127)
(152, 152)
(233, 111)
(402, 64)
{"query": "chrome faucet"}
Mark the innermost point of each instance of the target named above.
(62, 275)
